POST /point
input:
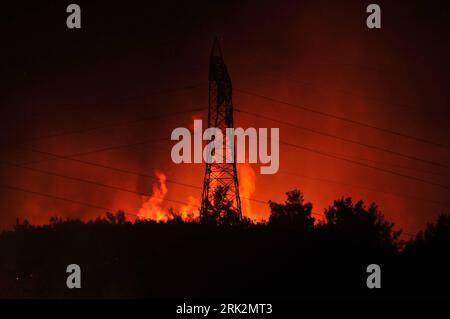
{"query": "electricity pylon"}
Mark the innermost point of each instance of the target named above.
(220, 115)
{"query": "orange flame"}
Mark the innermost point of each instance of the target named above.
(151, 206)
(247, 179)
(190, 211)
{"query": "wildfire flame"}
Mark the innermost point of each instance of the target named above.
(191, 209)
(247, 179)
(151, 206)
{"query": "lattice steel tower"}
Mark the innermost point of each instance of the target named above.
(220, 115)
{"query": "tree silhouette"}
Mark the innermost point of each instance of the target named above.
(225, 255)
(118, 218)
(293, 214)
(221, 210)
(355, 222)
(434, 239)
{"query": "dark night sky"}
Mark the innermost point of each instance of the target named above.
(130, 60)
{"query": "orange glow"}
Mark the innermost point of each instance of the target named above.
(247, 186)
(190, 211)
(312, 62)
(151, 207)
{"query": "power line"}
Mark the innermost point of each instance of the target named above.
(99, 150)
(344, 119)
(120, 170)
(289, 144)
(345, 139)
(55, 156)
(141, 193)
(264, 202)
(110, 187)
(57, 197)
(119, 188)
(400, 166)
(109, 167)
(115, 124)
(371, 189)
(163, 91)
(324, 180)
(15, 188)
(364, 164)
(189, 185)
(114, 187)
(392, 164)
(382, 69)
(88, 181)
(261, 116)
(318, 87)
(111, 147)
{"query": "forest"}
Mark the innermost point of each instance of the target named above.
(219, 255)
